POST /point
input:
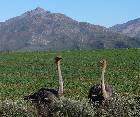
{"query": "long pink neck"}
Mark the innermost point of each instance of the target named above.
(60, 91)
(105, 95)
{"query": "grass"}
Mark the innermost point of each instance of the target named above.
(24, 73)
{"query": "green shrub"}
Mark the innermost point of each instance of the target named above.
(18, 108)
(118, 106)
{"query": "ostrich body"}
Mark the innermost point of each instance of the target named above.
(45, 98)
(100, 92)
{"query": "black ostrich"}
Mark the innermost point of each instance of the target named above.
(44, 99)
(100, 92)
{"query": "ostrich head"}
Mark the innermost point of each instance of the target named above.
(58, 58)
(103, 63)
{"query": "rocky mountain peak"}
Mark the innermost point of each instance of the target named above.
(39, 10)
(36, 11)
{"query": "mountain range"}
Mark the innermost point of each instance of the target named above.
(130, 28)
(39, 29)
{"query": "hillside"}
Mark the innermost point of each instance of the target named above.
(42, 30)
(130, 28)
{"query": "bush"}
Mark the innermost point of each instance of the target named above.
(123, 106)
(118, 106)
(71, 108)
(10, 108)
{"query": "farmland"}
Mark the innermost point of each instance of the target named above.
(23, 73)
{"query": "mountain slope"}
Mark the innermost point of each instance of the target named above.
(42, 30)
(130, 28)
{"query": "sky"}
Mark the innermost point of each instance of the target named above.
(100, 12)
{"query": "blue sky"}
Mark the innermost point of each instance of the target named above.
(100, 12)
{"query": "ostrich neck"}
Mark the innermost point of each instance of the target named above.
(60, 91)
(103, 85)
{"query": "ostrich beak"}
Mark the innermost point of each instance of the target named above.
(57, 58)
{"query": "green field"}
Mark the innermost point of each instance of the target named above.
(24, 73)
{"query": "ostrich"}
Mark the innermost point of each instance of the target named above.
(100, 92)
(44, 99)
